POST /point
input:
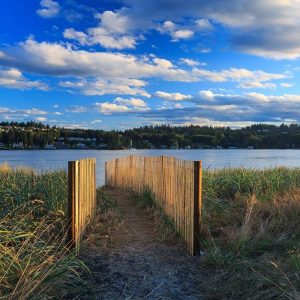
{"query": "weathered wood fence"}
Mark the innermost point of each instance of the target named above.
(81, 198)
(176, 185)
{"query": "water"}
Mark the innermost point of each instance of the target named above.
(42, 160)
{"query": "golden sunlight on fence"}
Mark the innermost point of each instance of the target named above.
(81, 197)
(176, 185)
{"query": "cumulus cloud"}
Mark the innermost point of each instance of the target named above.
(286, 84)
(14, 79)
(96, 121)
(113, 32)
(204, 25)
(246, 78)
(172, 96)
(121, 105)
(259, 27)
(21, 114)
(49, 9)
(59, 60)
(41, 119)
(191, 62)
(170, 28)
(77, 109)
(99, 87)
(230, 109)
(108, 108)
(134, 102)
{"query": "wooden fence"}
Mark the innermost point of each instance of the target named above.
(81, 198)
(176, 185)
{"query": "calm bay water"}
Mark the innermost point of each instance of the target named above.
(42, 160)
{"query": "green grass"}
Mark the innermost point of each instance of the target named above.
(250, 234)
(34, 263)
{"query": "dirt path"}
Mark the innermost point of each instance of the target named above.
(136, 265)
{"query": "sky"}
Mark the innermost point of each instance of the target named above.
(118, 64)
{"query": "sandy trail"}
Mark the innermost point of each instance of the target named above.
(137, 265)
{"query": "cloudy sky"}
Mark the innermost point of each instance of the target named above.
(126, 63)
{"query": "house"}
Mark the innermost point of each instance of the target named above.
(18, 145)
(81, 146)
(49, 147)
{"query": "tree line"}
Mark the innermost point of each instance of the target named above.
(258, 136)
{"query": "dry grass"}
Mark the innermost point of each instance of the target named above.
(34, 263)
(250, 234)
(107, 219)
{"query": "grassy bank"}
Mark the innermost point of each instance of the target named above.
(250, 233)
(34, 262)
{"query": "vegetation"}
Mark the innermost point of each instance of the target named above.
(250, 233)
(34, 263)
(164, 225)
(260, 136)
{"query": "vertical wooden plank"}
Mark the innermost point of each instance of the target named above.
(106, 177)
(197, 205)
(71, 204)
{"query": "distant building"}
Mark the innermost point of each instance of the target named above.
(49, 147)
(102, 146)
(81, 146)
(18, 145)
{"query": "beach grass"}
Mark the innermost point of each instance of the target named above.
(250, 237)
(34, 261)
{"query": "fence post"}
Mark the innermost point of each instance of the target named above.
(197, 205)
(106, 179)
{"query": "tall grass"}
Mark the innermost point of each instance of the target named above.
(34, 262)
(250, 232)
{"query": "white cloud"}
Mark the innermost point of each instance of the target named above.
(121, 105)
(113, 32)
(259, 27)
(99, 87)
(207, 95)
(13, 78)
(286, 84)
(246, 78)
(41, 119)
(77, 109)
(204, 25)
(21, 114)
(172, 96)
(170, 28)
(108, 108)
(49, 9)
(58, 60)
(72, 34)
(191, 62)
(32, 111)
(96, 121)
(134, 102)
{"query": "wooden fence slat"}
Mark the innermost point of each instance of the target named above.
(81, 198)
(176, 185)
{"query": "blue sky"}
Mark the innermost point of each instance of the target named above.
(126, 63)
